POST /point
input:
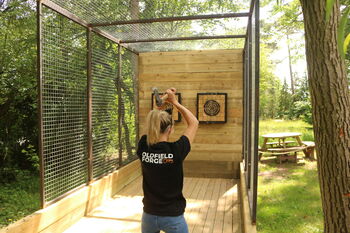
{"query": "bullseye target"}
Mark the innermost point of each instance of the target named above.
(211, 107)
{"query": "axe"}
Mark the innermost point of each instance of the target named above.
(160, 101)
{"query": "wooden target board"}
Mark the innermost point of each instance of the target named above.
(211, 107)
(175, 113)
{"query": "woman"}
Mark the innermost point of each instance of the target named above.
(162, 170)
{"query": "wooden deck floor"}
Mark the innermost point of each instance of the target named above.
(212, 206)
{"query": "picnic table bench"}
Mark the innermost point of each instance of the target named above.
(284, 150)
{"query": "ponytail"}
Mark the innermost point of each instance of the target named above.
(157, 122)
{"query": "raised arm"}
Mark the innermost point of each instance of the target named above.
(191, 120)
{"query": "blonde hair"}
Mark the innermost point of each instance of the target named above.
(157, 122)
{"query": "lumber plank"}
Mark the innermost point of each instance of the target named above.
(229, 208)
(191, 59)
(190, 93)
(214, 157)
(198, 202)
(188, 181)
(209, 51)
(202, 215)
(209, 221)
(191, 201)
(219, 216)
(193, 68)
(194, 85)
(236, 208)
(185, 76)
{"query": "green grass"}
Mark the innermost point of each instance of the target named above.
(288, 193)
(19, 198)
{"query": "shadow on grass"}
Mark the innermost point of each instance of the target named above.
(289, 198)
(272, 161)
(272, 170)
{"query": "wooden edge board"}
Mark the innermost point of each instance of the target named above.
(248, 227)
(46, 218)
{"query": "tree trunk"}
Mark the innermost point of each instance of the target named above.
(126, 131)
(290, 66)
(331, 113)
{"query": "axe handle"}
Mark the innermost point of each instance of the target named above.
(164, 97)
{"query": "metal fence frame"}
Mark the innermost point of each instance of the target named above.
(250, 92)
(251, 107)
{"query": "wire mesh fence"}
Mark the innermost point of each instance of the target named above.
(72, 133)
(64, 53)
(68, 138)
(64, 105)
(104, 106)
(128, 106)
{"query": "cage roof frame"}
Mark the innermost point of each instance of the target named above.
(169, 19)
(98, 27)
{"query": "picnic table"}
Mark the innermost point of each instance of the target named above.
(284, 144)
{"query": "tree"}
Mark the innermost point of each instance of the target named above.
(301, 108)
(18, 117)
(269, 86)
(331, 112)
(284, 24)
(347, 56)
(285, 103)
(287, 24)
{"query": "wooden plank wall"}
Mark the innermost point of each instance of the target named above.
(217, 147)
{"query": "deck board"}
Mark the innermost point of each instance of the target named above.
(198, 228)
(212, 206)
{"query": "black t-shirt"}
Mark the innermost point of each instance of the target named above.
(163, 176)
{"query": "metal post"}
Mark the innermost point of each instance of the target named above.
(40, 101)
(120, 105)
(89, 105)
(172, 19)
(249, 107)
(256, 117)
(183, 38)
(245, 106)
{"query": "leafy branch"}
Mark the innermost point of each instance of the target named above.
(343, 41)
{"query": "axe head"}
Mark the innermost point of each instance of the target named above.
(159, 101)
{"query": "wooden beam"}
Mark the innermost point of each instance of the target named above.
(248, 224)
